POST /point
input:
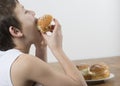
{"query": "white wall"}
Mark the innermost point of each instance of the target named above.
(91, 28)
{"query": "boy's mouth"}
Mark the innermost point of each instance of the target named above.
(36, 21)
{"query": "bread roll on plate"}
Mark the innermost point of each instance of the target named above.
(99, 71)
(84, 69)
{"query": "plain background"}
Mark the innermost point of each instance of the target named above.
(91, 28)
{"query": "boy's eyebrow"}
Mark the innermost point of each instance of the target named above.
(22, 6)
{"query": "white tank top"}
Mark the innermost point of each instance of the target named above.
(6, 60)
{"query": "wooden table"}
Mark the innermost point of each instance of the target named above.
(113, 63)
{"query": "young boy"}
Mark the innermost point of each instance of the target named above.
(17, 68)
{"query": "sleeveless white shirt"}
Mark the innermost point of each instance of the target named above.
(6, 60)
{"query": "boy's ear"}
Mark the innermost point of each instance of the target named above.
(15, 32)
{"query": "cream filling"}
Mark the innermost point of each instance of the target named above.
(86, 71)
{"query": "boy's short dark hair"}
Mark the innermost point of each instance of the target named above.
(7, 19)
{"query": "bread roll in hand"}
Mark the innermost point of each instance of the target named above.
(44, 23)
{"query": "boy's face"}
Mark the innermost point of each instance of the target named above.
(28, 21)
(25, 16)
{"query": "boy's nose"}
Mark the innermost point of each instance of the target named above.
(33, 13)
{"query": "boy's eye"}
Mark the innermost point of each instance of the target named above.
(26, 11)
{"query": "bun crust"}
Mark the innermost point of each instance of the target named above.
(97, 68)
(82, 66)
(43, 23)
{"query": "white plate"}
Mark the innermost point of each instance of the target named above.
(110, 77)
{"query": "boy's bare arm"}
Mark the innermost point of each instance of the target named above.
(69, 68)
(40, 72)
